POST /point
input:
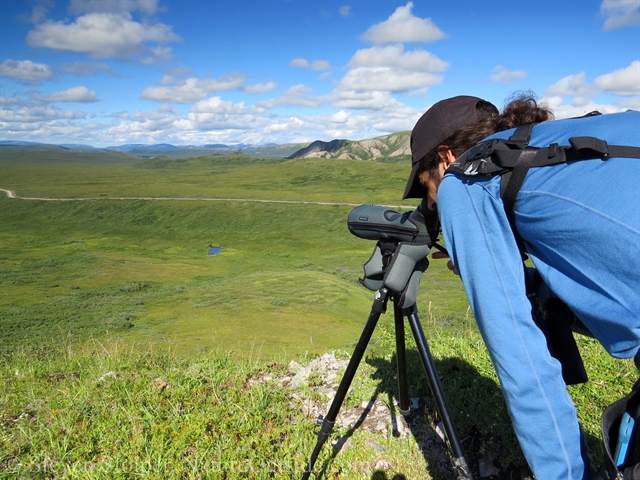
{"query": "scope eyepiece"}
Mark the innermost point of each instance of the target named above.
(430, 220)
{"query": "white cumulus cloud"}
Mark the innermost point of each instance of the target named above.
(395, 56)
(374, 101)
(150, 125)
(56, 131)
(10, 101)
(575, 86)
(25, 70)
(361, 100)
(320, 65)
(219, 121)
(32, 114)
(315, 64)
(82, 69)
(217, 105)
(299, 62)
(403, 26)
(629, 103)
(505, 77)
(356, 125)
(156, 54)
(565, 110)
(387, 79)
(73, 94)
(259, 87)
(113, 6)
(571, 85)
(168, 80)
(573, 95)
(159, 114)
(295, 96)
(104, 35)
(390, 69)
(624, 82)
(620, 13)
(193, 89)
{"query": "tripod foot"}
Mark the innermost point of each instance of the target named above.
(461, 469)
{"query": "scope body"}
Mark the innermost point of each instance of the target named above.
(377, 222)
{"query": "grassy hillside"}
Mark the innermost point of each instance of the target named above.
(286, 280)
(125, 350)
(47, 154)
(113, 409)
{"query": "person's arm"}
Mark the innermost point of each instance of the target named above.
(483, 250)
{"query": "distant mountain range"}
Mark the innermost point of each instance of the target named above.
(175, 151)
(131, 146)
(391, 148)
(167, 146)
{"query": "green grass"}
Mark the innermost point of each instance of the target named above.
(111, 412)
(148, 261)
(117, 409)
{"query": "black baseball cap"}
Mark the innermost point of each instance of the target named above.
(436, 125)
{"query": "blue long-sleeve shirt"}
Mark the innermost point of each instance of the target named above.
(581, 225)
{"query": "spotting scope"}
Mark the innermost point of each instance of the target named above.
(377, 222)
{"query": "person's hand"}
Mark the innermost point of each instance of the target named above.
(438, 255)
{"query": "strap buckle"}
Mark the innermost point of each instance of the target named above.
(590, 147)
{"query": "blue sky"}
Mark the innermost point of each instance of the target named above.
(109, 72)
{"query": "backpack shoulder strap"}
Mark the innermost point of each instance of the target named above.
(512, 181)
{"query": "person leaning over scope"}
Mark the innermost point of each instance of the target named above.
(580, 222)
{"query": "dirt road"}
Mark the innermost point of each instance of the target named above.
(12, 194)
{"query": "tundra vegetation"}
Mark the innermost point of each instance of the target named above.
(126, 350)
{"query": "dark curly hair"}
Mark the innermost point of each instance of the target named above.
(521, 109)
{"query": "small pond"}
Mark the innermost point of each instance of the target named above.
(214, 250)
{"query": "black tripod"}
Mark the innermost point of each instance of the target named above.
(379, 306)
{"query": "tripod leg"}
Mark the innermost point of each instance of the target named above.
(459, 462)
(379, 306)
(401, 358)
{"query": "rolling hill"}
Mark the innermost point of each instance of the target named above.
(389, 148)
